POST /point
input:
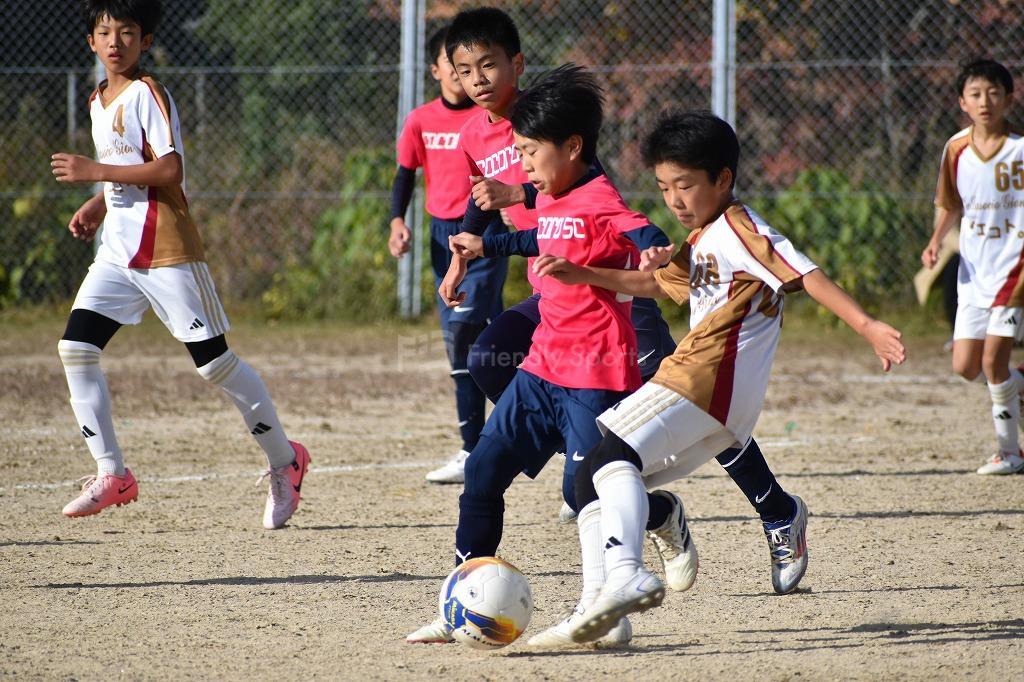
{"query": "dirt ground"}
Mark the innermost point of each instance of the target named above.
(916, 563)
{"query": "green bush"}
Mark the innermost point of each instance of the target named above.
(865, 240)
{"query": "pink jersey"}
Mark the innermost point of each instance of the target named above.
(586, 337)
(430, 139)
(491, 152)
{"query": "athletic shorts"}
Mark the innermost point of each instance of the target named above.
(670, 434)
(485, 277)
(535, 418)
(976, 323)
(182, 296)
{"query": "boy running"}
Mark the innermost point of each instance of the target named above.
(430, 139)
(733, 271)
(981, 189)
(150, 255)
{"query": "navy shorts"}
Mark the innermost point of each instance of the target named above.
(485, 277)
(535, 417)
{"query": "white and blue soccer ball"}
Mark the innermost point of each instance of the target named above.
(487, 603)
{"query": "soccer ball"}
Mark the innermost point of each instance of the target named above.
(487, 603)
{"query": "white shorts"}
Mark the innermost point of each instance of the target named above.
(973, 322)
(671, 435)
(182, 296)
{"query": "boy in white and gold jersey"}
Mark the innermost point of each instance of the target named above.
(981, 189)
(149, 255)
(733, 271)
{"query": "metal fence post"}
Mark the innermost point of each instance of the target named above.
(406, 103)
(723, 60)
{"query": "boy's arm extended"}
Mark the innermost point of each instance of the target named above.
(945, 220)
(515, 243)
(162, 172)
(630, 282)
(884, 339)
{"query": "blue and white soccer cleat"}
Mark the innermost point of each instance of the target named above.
(641, 592)
(675, 546)
(787, 544)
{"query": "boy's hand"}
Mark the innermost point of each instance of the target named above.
(450, 284)
(930, 255)
(490, 194)
(88, 218)
(886, 342)
(655, 257)
(467, 245)
(563, 270)
(74, 168)
(400, 240)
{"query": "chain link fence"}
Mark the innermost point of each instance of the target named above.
(289, 109)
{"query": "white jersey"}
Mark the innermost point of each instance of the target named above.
(144, 226)
(732, 272)
(990, 192)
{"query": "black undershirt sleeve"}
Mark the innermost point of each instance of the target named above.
(401, 191)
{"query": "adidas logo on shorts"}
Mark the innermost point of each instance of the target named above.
(1012, 320)
(196, 324)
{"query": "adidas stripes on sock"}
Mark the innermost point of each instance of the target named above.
(250, 395)
(624, 510)
(90, 401)
(1006, 414)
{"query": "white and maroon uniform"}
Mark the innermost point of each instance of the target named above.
(150, 253)
(430, 139)
(990, 193)
(490, 151)
(709, 393)
(586, 338)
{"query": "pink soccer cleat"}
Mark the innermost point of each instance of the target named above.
(285, 488)
(102, 491)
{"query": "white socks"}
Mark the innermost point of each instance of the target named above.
(90, 401)
(591, 552)
(624, 511)
(1006, 412)
(250, 396)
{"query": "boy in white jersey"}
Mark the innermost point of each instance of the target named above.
(150, 255)
(981, 189)
(733, 271)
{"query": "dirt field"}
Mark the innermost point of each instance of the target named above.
(916, 564)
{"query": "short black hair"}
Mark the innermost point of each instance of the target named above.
(693, 139)
(483, 26)
(145, 13)
(986, 68)
(561, 103)
(435, 44)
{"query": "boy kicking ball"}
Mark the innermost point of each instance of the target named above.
(733, 271)
(149, 255)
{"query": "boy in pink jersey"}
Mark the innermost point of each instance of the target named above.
(733, 271)
(430, 139)
(583, 359)
(150, 255)
(981, 189)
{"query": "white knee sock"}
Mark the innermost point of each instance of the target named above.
(1006, 414)
(591, 551)
(90, 401)
(250, 395)
(624, 512)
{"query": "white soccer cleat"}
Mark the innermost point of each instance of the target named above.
(566, 514)
(641, 592)
(557, 636)
(675, 546)
(1003, 463)
(453, 471)
(437, 632)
